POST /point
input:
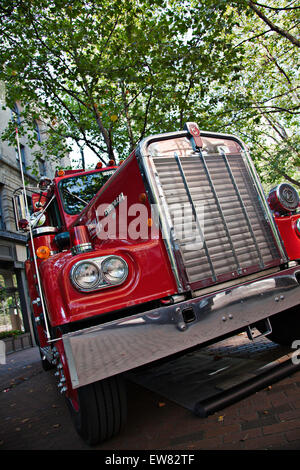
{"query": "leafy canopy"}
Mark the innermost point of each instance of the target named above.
(107, 73)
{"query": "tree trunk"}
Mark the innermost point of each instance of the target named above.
(104, 133)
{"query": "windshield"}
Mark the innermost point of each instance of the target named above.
(77, 191)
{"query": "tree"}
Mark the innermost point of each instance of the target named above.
(105, 73)
(260, 100)
(108, 73)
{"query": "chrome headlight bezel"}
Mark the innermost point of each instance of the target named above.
(74, 275)
(103, 280)
(108, 277)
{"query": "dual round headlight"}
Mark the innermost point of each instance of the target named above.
(99, 272)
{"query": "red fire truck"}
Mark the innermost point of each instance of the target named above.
(175, 248)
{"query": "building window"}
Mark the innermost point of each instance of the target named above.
(10, 312)
(37, 130)
(16, 116)
(23, 157)
(42, 167)
(2, 222)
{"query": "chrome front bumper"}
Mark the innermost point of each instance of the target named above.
(121, 345)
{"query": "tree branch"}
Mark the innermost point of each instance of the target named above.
(276, 8)
(253, 37)
(278, 170)
(273, 26)
(146, 114)
(128, 121)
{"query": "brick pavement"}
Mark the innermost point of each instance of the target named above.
(33, 416)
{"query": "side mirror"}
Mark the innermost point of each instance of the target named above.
(22, 224)
(37, 219)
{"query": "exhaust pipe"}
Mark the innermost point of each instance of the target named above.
(238, 392)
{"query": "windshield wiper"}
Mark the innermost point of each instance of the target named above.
(74, 196)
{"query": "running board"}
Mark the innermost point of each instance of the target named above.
(238, 392)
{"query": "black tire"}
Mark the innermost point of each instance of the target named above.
(101, 410)
(285, 327)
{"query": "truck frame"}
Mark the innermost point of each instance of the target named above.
(175, 248)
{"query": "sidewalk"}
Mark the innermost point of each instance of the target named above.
(33, 416)
(19, 366)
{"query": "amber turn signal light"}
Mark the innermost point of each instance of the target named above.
(43, 252)
(143, 198)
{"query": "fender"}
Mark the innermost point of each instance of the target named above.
(148, 279)
(290, 235)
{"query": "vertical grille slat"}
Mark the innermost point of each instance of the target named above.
(195, 214)
(243, 209)
(232, 235)
(219, 209)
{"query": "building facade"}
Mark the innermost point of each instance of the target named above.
(14, 302)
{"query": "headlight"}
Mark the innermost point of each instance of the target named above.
(86, 275)
(114, 270)
(98, 273)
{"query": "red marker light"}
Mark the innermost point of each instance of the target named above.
(79, 238)
(23, 224)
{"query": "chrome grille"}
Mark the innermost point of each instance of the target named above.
(219, 225)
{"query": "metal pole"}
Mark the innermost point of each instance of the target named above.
(31, 239)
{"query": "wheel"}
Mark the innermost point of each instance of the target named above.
(98, 410)
(285, 327)
(99, 413)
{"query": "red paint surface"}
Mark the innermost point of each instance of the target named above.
(287, 229)
(150, 276)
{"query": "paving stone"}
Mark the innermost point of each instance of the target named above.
(33, 415)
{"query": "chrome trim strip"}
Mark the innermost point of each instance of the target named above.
(121, 345)
(82, 248)
(44, 231)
